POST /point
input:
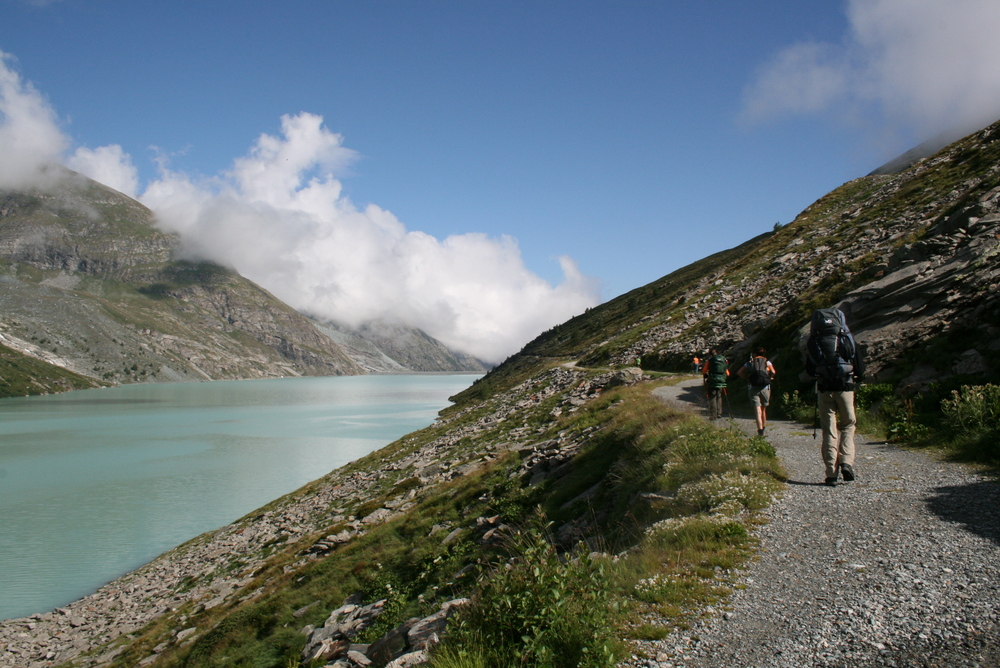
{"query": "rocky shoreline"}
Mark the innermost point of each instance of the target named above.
(202, 571)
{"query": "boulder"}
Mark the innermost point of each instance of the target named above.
(427, 632)
(393, 644)
(407, 660)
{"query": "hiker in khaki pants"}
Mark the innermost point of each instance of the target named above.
(836, 417)
(833, 359)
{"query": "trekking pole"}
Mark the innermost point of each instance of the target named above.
(816, 410)
(729, 406)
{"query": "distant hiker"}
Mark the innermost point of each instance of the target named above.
(833, 359)
(715, 371)
(697, 364)
(758, 372)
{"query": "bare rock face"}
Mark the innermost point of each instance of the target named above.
(87, 272)
(946, 281)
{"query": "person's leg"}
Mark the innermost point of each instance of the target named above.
(716, 403)
(828, 421)
(765, 400)
(754, 397)
(846, 424)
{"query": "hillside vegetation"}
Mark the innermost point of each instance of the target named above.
(559, 469)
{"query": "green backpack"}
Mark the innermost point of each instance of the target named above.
(717, 371)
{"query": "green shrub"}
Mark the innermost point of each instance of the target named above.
(794, 407)
(867, 397)
(904, 423)
(384, 584)
(970, 418)
(539, 610)
(972, 409)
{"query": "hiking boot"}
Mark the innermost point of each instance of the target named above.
(831, 482)
(847, 471)
(760, 432)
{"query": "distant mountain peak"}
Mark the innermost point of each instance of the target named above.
(89, 284)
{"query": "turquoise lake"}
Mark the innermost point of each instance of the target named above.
(95, 483)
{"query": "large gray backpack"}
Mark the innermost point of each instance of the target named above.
(830, 346)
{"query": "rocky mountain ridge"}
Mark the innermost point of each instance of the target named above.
(89, 284)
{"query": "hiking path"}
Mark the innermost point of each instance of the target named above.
(899, 568)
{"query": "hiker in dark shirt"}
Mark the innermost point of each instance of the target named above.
(837, 364)
(758, 372)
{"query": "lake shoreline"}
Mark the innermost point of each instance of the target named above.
(132, 601)
(198, 575)
(420, 401)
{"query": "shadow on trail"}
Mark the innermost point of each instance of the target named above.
(694, 394)
(804, 483)
(974, 506)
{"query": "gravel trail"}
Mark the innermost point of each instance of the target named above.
(898, 568)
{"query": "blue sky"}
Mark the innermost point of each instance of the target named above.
(627, 138)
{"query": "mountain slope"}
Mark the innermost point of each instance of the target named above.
(381, 347)
(910, 257)
(89, 284)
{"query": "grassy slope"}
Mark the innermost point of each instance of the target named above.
(21, 376)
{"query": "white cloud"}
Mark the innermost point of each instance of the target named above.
(108, 165)
(280, 218)
(30, 138)
(931, 66)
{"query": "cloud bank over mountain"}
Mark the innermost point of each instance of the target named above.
(280, 218)
(932, 67)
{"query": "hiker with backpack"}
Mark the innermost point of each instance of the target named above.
(715, 372)
(758, 372)
(834, 361)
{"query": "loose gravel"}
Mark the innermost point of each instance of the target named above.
(899, 568)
